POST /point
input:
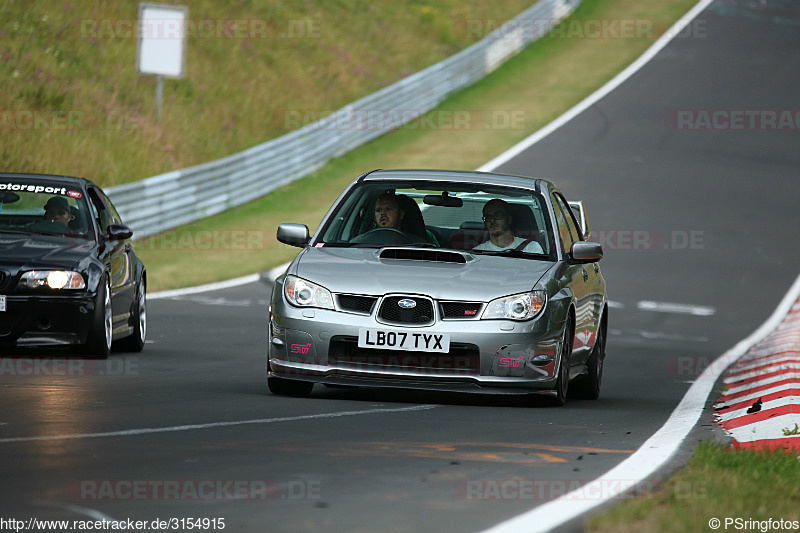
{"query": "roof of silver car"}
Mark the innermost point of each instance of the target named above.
(462, 176)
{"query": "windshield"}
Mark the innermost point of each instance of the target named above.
(44, 209)
(479, 218)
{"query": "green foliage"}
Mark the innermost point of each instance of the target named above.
(718, 482)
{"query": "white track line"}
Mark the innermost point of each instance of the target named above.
(94, 514)
(210, 425)
(205, 288)
(684, 309)
(227, 284)
(618, 80)
(659, 448)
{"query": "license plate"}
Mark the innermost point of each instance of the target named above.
(413, 341)
(2, 303)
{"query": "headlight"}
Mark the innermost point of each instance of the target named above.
(55, 279)
(303, 293)
(516, 307)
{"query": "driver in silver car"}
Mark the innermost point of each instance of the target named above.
(388, 213)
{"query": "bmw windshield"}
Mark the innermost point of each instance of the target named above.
(37, 209)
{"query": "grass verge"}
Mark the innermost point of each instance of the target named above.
(718, 483)
(519, 98)
(71, 101)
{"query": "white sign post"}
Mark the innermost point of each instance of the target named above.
(161, 44)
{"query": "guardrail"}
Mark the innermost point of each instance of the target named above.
(182, 196)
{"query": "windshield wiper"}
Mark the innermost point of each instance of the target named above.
(49, 233)
(335, 245)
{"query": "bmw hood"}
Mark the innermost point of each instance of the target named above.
(41, 251)
(450, 276)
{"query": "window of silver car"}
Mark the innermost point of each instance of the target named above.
(567, 229)
(354, 216)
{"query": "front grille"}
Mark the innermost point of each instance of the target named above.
(461, 359)
(3, 278)
(356, 304)
(460, 309)
(421, 313)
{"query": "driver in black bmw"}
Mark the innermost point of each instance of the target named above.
(57, 216)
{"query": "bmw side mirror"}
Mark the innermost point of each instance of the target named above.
(118, 232)
(293, 234)
(586, 251)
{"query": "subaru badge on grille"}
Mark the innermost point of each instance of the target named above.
(407, 303)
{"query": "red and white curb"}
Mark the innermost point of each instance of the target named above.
(760, 405)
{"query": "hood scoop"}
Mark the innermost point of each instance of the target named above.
(423, 254)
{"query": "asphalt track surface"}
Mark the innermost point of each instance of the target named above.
(714, 218)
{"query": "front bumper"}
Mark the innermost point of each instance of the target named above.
(46, 320)
(490, 356)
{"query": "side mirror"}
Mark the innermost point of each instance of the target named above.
(293, 234)
(586, 251)
(118, 232)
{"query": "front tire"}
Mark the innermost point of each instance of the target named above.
(589, 387)
(562, 383)
(135, 342)
(99, 341)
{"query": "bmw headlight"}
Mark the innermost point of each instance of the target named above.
(54, 279)
(516, 307)
(303, 293)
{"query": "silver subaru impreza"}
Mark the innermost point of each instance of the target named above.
(442, 280)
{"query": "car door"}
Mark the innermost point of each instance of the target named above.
(597, 284)
(116, 256)
(581, 278)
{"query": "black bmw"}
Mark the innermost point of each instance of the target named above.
(68, 271)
